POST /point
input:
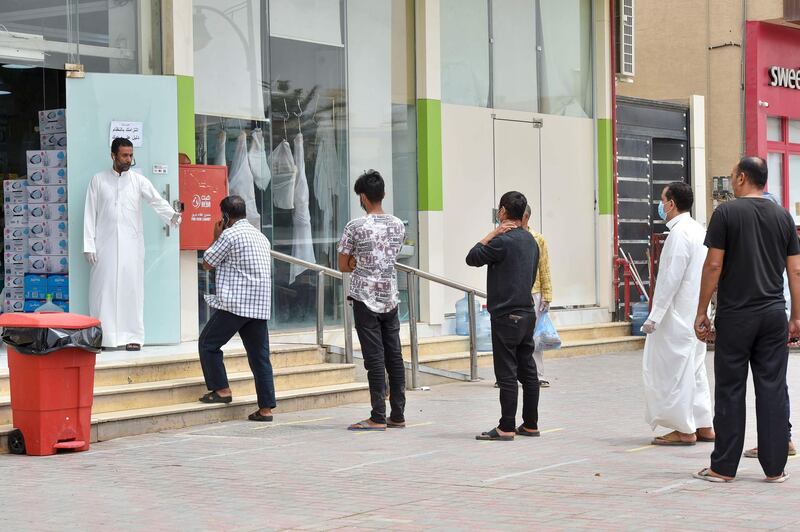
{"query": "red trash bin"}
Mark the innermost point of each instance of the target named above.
(51, 394)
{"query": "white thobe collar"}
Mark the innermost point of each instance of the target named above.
(117, 174)
(672, 223)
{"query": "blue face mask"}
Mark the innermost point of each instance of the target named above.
(661, 213)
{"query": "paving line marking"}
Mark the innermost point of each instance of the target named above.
(545, 468)
(232, 453)
(637, 449)
(548, 431)
(135, 447)
(299, 422)
(418, 455)
(676, 485)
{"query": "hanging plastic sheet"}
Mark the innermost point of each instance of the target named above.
(240, 181)
(257, 157)
(284, 172)
(41, 341)
(302, 241)
(219, 155)
(326, 172)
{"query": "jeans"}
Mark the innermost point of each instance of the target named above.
(379, 334)
(757, 340)
(254, 334)
(512, 351)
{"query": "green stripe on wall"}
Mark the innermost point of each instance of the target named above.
(429, 154)
(605, 166)
(186, 139)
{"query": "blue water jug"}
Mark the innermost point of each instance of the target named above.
(641, 311)
(462, 315)
(484, 330)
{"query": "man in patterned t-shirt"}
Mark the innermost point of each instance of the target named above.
(369, 249)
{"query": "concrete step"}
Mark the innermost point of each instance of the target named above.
(111, 425)
(460, 361)
(176, 391)
(572, 334)
(171, 367)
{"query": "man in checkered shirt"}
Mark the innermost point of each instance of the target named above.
(240, 254)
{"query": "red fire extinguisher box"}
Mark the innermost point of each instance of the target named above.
(202, 187)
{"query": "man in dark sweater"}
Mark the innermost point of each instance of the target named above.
(512, 255)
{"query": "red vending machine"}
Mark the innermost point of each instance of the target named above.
(202, 187)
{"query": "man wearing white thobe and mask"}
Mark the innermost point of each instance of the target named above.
(676, 388)
(113, 244)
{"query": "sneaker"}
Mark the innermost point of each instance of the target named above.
(544, 384)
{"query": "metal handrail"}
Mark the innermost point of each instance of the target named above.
(322, 271)
(412, 274)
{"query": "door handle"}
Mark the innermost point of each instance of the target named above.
(167, 197)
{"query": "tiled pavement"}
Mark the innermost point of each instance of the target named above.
(591, 469)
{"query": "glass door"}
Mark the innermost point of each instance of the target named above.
(93, 103)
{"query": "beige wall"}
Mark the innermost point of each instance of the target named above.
(673, 61)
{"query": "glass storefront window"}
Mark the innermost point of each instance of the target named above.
(794, 131)
(775, 175)
(541, 55)
(514, 55)
(465, 52)
(774, 129)
(565, 60)
(338, 99)
(794, 184)
(118, 37)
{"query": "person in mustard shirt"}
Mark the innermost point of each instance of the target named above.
(542, 291)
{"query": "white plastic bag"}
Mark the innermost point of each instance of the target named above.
(240, 180)
(257, 158)
(545, 335)
(222, 140)
(284, 172)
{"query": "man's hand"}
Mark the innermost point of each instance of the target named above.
(544, 306)
(91, 258)
(649, 327)
(702, 327)
(176, 219)
(219, 227)
(794, 328)
(352, 262)
(499, 230)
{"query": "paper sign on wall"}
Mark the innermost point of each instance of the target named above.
(133, 131)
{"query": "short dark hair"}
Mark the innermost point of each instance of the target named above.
(119, 142)
(514, 203)
(681, 194)
(371, 184)
(755, 168)
(234, 207)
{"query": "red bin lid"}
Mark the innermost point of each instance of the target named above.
(48, 320)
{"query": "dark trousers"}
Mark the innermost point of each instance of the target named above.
(379, 334)
(757, 339)
(512, 350)
(255, 337)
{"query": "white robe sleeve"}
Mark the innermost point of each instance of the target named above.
(672, 267)
(154, 199)
(90, 217)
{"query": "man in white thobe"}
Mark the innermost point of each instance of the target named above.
(675, 382)
(113, 244)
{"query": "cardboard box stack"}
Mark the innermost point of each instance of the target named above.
(36, 236)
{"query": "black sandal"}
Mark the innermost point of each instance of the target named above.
(214, 397)
(493, 435)
(522, 431)
(256, 416)
(133, 347)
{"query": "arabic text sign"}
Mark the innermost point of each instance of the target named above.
(133, 131)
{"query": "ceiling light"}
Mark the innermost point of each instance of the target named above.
(17, 66)
(4, 92)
